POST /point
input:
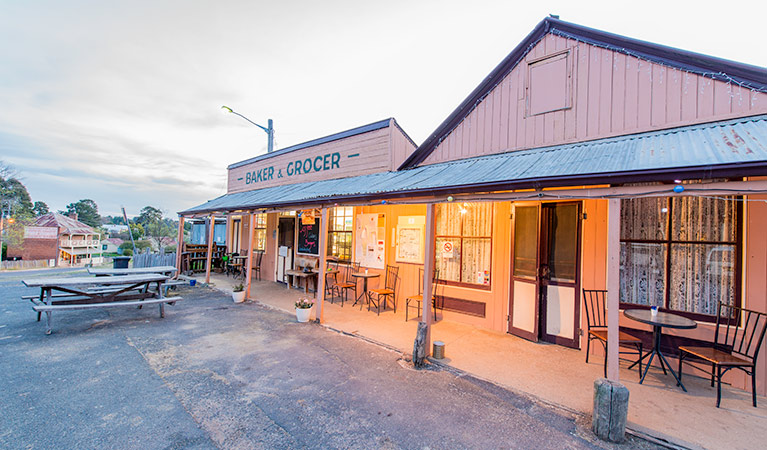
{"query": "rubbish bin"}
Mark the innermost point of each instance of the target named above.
(120, 262)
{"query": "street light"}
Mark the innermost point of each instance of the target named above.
(269, 129)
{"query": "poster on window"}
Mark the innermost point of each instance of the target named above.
(369, 240)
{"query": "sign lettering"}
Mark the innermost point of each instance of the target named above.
(328, 161)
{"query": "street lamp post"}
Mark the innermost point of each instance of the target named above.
(268, 129)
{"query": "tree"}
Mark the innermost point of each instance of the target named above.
(136, 230)
(14, 198)
(40, 208)
(87, 212)
(155, 227)
(149, 215)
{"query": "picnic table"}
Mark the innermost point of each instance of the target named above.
(97, 292)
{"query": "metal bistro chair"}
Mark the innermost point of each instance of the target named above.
(257, 263)
(330, 265)
(739, 348)
(349, 283)
(596, 319)
(389, 290)
(417, 299)
(231, 266)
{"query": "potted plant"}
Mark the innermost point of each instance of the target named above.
(238, 293)
(303, 309)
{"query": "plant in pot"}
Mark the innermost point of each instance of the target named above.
(303, 309)
(238, 293)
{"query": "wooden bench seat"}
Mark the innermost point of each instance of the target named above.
(170, 300)
(70, 306)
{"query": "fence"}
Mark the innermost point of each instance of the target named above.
(148, 259)
(25, 264)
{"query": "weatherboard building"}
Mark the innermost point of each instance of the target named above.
(584, 160)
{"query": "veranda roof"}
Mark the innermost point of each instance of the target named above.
(731, 148)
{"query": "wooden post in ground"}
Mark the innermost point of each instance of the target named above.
(613, 286)
(179, 245)
(251, 236)
(323, 262)
(428, 275)
(210, 248)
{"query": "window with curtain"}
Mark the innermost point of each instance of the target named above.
(259, 233)
(340, 226)
(681, 253)
(464, 242)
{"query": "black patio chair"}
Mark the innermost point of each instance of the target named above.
(348, 283)
(329, 266)
(381, 296)
(738, 349)
(596, 320)
(414, 301)
(259, 255)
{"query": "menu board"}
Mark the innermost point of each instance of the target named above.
(309, 238)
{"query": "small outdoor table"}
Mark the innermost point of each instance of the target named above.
(365, 276)
(658, 322)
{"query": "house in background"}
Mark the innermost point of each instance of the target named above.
(111, 245)
(63, 239)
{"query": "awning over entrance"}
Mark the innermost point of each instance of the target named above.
(718, 149)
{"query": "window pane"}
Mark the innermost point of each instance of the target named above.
(643, 273)
(476, 261)
(525, 241)
(704, 219)
(643, 218)
(449, 265)
(563, 242)
(478, 219)
(701, 275)
(448, 219)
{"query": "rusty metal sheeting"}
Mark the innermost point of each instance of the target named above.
(705, 150)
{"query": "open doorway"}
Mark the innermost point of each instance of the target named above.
(545, 301)
(286, 234)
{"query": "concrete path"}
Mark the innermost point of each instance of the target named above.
(213, 374)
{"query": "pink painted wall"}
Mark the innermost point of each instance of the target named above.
(612, 94)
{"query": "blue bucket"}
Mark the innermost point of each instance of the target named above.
(192, 282)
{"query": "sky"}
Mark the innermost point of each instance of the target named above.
(120, 101)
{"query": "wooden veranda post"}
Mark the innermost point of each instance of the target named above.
(210, 248)
(251, 251)
(613, 286)
(180, 245)
(323, 261)
(428, 274)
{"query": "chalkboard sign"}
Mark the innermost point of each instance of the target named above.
(309, 238)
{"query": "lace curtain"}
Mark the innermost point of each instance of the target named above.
(702, 246)
(468, 229)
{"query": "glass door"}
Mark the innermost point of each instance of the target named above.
(559, 273)
(525, 282)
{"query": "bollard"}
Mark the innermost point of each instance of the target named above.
(611, 405)
(438, 351)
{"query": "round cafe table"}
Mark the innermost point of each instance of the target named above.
(365, 276)
(658, 322)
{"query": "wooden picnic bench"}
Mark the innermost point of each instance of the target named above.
(164, 270)
(293, 274)
(99, 292)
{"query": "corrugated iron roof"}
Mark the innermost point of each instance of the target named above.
(716, 68)
(735, 147)
(70, 225)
